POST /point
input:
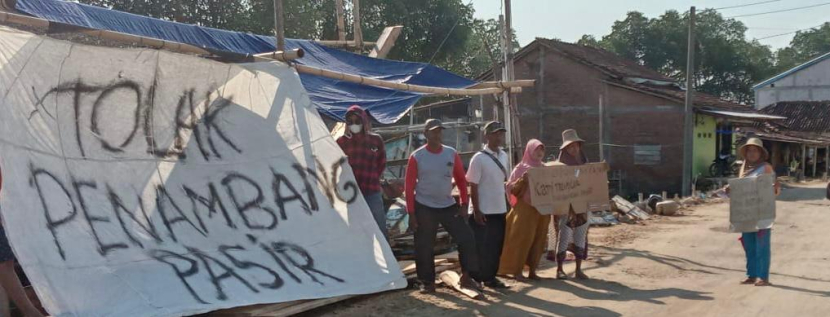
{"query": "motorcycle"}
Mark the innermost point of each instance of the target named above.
(725, 165)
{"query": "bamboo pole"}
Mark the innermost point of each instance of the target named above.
(148, 42)
(281, 55)
(506, 84)
(342, 43)
(358, 32)
(400, 86)
(22, 19)
(341, 24)
(279, 25)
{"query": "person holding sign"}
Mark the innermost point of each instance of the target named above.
(526, 229)
(487, 176)
(367, 157)
(429, 202)
(8, 277)
(571, 229)
(756, 241)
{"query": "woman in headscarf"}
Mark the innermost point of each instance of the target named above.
(526, 229)
(755, 236)
(571, 229)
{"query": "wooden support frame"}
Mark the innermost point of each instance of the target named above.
(400, 86)
(342, 43)
(386, 41)
(280, 56)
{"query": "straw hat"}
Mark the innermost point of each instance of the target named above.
(753, 142)
(569, 136)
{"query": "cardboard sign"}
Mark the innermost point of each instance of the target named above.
(556, 188)
(752, 199)
(146, 183)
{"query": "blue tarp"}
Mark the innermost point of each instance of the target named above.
(332, 97)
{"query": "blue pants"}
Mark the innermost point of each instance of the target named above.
(757, 248)
(375, 202)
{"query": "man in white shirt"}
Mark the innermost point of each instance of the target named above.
(487, 175)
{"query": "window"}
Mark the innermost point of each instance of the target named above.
(647, 154)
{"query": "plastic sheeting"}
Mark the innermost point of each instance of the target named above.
(147, 183)
(332, 97)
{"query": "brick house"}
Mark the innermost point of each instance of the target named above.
(642, 114)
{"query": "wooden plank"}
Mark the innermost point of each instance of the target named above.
(386, 41)
(453, 280)
(629, 208)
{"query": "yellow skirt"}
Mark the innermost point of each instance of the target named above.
(524, 239)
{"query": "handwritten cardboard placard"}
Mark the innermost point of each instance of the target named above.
(752, 199)
(146, 183)
(557, 187)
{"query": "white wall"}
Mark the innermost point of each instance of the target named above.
(809, 84)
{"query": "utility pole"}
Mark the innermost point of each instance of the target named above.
(688, 126)
(601, 130)
(279, 25)
(507, 75)
(358, 32)
(341, 24)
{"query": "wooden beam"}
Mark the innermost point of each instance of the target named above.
(342, 43)
(358, 32)
(279, 25)
(148, 42)
(24, 20)
(386, 41)
(282, 55)
(505, 84)
(341, 24)
(400, 86)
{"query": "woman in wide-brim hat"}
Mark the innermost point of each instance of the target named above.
(756, 236)
(571, 230)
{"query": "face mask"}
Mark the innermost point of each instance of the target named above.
(356, 128)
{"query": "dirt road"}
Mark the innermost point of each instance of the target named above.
(688, 265)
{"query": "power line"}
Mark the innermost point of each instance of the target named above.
(448, 35)
(745, 5)
(788, 33)
(778, 11)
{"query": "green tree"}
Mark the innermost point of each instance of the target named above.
(727, 64)
(805, 46)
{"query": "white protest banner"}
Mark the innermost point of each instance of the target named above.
(751, 200)
(555, 188)
(147, 183)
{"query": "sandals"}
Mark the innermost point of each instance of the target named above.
(763, 283)
(749, 281)
(581, 276)
(561, 275)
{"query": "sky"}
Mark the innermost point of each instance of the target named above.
(568, 20)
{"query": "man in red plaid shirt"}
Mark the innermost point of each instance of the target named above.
(367, 156)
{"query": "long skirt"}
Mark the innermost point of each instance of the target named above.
(524, 240)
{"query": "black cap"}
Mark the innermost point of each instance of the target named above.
(493, 127)
(433, 124)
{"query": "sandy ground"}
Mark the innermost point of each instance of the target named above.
(688, 265)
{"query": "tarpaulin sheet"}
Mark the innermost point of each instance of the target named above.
(141, 182)
(332, 97)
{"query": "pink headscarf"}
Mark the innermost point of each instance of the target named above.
(527, 163)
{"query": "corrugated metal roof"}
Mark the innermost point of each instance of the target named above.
(803, 116)
(792, 71)
(742, 115)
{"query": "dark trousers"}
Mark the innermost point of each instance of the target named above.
(489, 242)
(428, 220)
